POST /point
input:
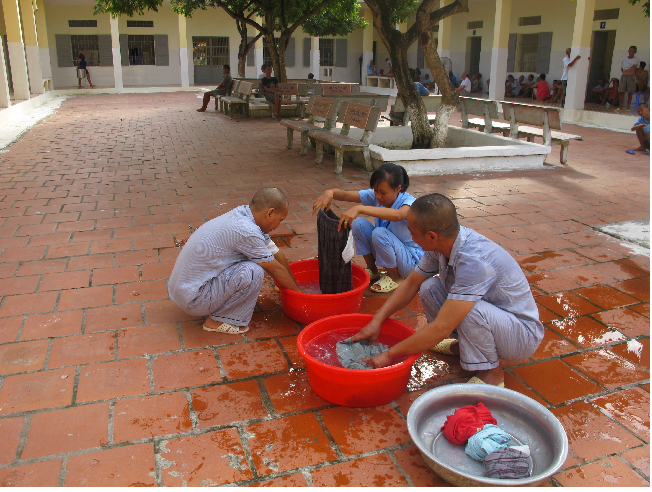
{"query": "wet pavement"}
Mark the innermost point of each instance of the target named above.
(105, 382)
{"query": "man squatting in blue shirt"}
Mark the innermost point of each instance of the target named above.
(471, 289)
(220, 270)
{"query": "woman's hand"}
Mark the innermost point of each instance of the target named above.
(349, 216)
(371, 332)
(381, 360)
(323, 202)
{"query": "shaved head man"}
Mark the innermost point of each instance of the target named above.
(220, 270)
(472, 291)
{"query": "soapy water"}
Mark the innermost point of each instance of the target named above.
(322, 348)
(310, 286)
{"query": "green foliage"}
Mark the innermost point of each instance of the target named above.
(340, 18)
(646, 6)
(127, 7)
(402, 10)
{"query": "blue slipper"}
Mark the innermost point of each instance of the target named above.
(630, 151)
(647, 152)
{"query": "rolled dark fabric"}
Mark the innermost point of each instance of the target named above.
(507, 463)
(335, 276)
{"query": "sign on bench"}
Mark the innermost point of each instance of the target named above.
(334, 90)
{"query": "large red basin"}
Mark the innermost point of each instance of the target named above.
(355, 387)
(306, 308)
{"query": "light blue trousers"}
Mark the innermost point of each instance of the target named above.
(486, 334)
(388, 250)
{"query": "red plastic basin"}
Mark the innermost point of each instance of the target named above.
(355, 387)
(306, 308)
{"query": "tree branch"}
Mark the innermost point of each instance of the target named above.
(441, 13)
(306, 16)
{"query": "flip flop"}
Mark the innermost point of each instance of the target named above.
(372, 277)
(477, 380)
(385, 284)
(647, 152)
(228, 329)
(630, 151)
(444, 347)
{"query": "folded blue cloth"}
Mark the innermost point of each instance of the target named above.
(486, 441)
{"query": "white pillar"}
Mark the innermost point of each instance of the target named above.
(117, 58)
(16, 48)
(367, 44)
(578, 74)
(314, 58)
(183, 51)
(498, 71)
(42, 39)
(31, 47)
(5, 101)
(444, 34)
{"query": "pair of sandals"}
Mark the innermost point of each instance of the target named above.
(633, 152)
(444, 347)
(228, 329)
(382, 283)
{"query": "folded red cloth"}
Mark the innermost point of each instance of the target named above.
(465, 422)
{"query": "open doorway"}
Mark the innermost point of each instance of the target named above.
(473, 49)
(602, 50)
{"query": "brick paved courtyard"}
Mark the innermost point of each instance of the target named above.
(105, 382)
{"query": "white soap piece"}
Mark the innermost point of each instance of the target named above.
(349, 249)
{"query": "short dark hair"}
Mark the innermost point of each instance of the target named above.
(543, 76)
(643, 105)
(642, 65)
(436, 213)
(267, 198)
(635, 48)
(311, 75)
(392, 174)
(228, 67)
(263, 66)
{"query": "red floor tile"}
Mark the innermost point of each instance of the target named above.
(136, 342)
(292, 392)
(639, 457)
(22, 356)
(609, 472)
(149, 416)
(360, 430)
(553, 345)
(141, 291)
(252, 359)
(10, 430)
(116, 275)
(586, 332)
(9, 328)
(18, 285)
(210, 459)
(556, 381)
(289, 345)
(625, 321)
(185, 369)
(194, 336)
(113, 380)
(68, 429)
(29, 304)
(296, 480)
(636, 351)
(636, 287)
(127, 466)
(605, 297)
(84, 298)
(375, 471)
(551, 281)
(41, 474)
(226, 403)
(158, 312)
(629, 407)
(113, 317)
(82, 349)
(412, 462)
(271, 324)
(607, 368)
(45, 389)
(585, 275)
(288, 443)
(567, 304)
(618, 270)
(65, 280)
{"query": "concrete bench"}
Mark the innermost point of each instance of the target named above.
(380, 81)
(319, 106)
(47, 84)
(283, 97)
(234, 87)
(240, 98)
(334, 90)
(486, 108)
(398, 116)
(543, 119)
(358, 115)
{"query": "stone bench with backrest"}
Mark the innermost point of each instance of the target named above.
(543, 121)
(398, 116)
(318, 106)
(283, 97)
(218, 99)
(240, 98)
(358, 115)
(471, 106)
(350, 93)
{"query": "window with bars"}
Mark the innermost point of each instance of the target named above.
(267, 59)
(527, 53)
(326, 52)
(529, 21)
(91, 43)
(141, 49)
(605, 14)
(82, 23)
(474, 25)
(140, 23)
(210, 50)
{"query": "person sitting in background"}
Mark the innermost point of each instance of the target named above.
(371, 68)
(542, 92)
(418, 85)
(641, 81)
(476, 86)
(465, 86)
(521, 81)
(642, 129)
(558, 91)
(427, 83)
(612, 97)
(381, 73)
(527, 86)
(224, 89)
(311, 76)
(269, 84)
(390, 69)
(263, 70)
(510, 87)
(601, 91)
(452, 78)
(417, 75)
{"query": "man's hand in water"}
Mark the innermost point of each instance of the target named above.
(369, 332)
(380, 360)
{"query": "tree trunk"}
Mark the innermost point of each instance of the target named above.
(449, 98)
(243, 50)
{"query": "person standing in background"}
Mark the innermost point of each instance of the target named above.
(628, 79)
(81, 65)
(564, 76)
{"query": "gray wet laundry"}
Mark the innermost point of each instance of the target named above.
(350, 354)
(509, 462)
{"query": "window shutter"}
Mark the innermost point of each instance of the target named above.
(341, 53)
(420, 58)
(106, 51)
(124, 50)
(161, 51)
(306, 52)
(64, 51)
(251, 53)
(289, 54)
(543, 55)
(511, 52)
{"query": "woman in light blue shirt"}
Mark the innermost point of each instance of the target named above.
(387, 243)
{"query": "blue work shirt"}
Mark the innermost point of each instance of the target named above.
(641, 121)
(400, 228)
(370, 70)
(421, 89)
(479, 269)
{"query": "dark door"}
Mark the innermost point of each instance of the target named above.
(474, 60)
(209, 53)
(601, 55)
